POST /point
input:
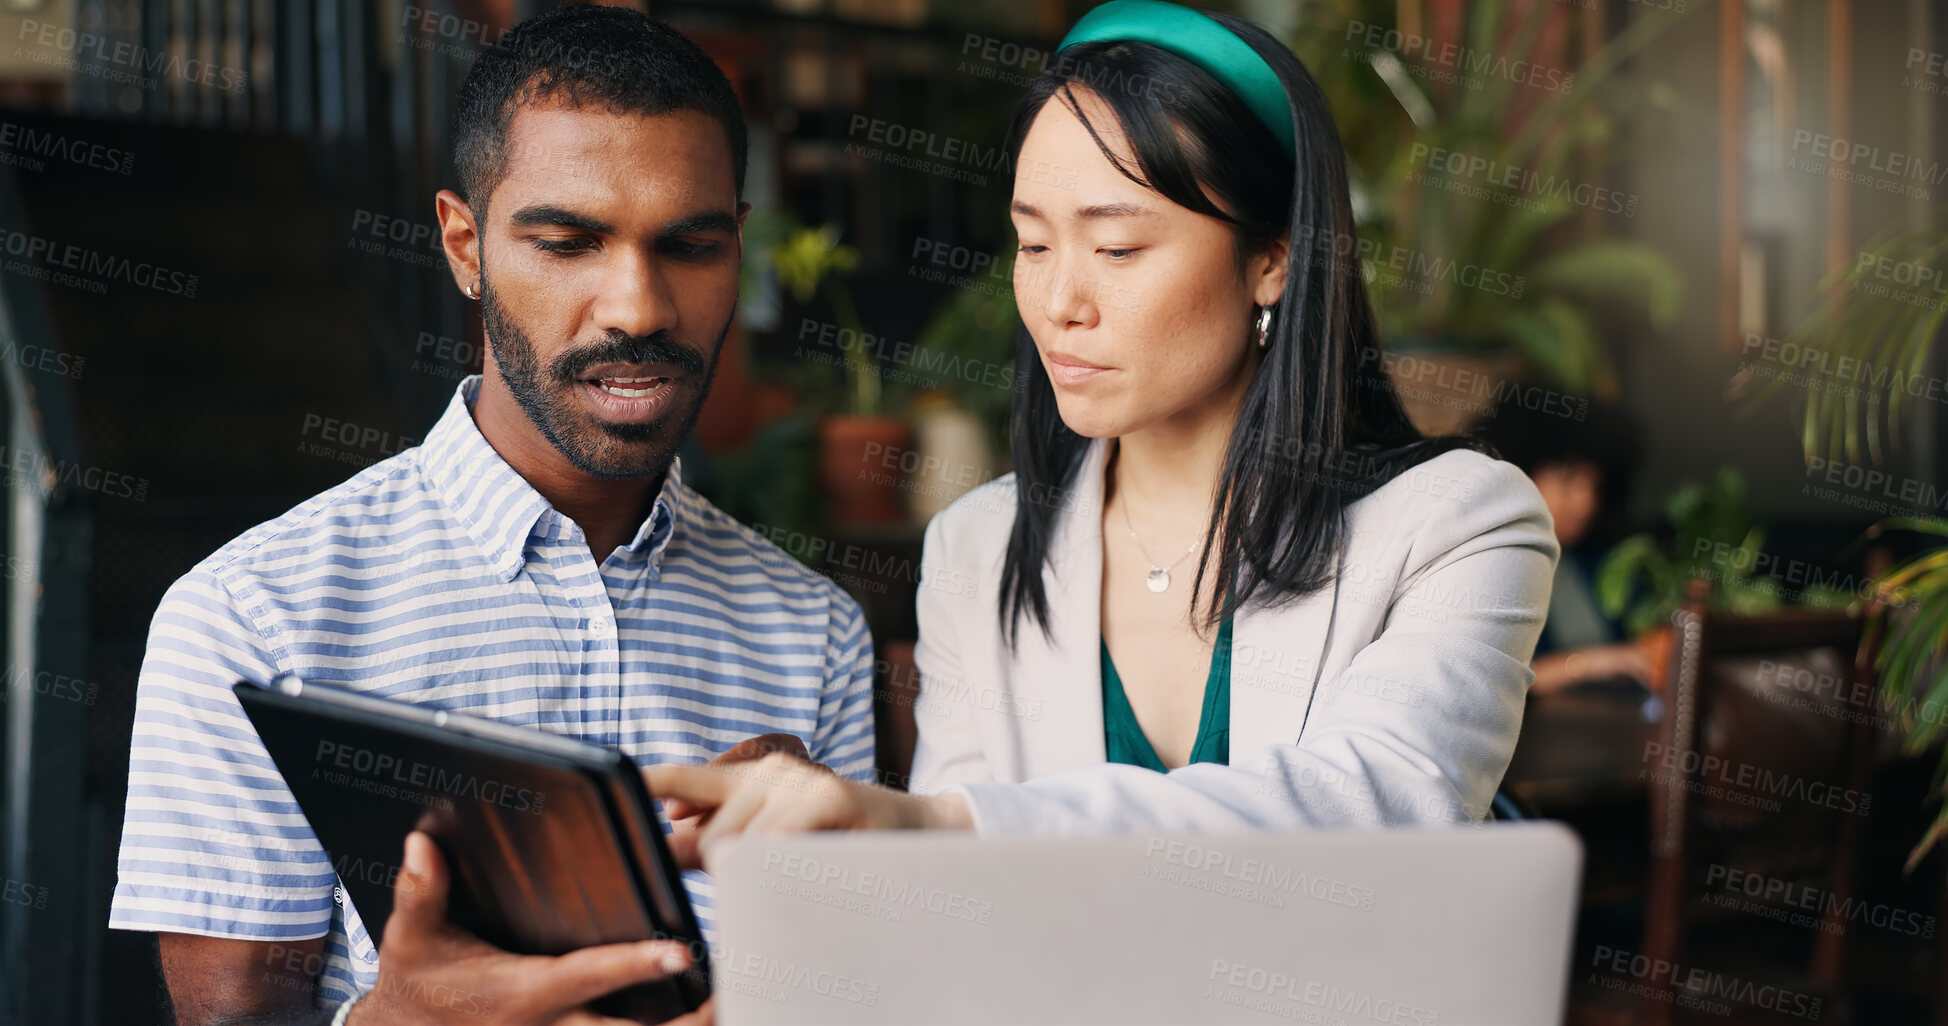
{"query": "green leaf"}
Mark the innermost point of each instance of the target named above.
(1929, 727)
(1615, 272)
(1559, 340)
(1905, 653)
(1616, 575)
(1563, 135)
(1927, 842)
(1878, 333)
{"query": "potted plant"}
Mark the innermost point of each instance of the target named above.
(1912, 619)
(961, 419)
(1642, 580)
(1871, 344)
(1538, 285)
(854, 439)
(1865, 336)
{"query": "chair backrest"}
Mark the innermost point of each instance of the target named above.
(1766, 739)
(1752, 698)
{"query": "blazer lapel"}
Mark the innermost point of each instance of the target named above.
(1061, 674)
(1276, 653)
(1276, 658)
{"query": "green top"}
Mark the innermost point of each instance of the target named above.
(1124, 736)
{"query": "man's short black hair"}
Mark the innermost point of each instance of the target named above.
(620, 60)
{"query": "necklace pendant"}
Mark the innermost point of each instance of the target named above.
(1159, 579)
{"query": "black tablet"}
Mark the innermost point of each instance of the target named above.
(551, 843)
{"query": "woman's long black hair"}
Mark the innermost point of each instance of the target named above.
(1320, 425)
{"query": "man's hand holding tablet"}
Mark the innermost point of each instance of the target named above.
(432, 972)
(494, 913)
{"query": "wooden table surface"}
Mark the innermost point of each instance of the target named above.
(1582, 746)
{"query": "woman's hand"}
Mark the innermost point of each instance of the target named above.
(750, 749)
(781, 794)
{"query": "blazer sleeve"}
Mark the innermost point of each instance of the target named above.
(1418, 728)
(948, 749)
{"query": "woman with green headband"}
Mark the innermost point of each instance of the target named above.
(1228, 585)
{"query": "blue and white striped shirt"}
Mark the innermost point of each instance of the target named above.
(441, 577)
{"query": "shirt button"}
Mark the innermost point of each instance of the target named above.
(599, 626)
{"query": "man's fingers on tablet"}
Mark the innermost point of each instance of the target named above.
(582, 976)
(420, 895)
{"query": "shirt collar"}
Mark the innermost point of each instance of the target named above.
(499, 508)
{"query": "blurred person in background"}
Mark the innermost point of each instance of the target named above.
(1581, 462)
(1227, 587)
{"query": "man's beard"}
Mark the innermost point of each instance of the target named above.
(596, 447)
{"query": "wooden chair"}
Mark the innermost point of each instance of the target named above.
(1698, 819)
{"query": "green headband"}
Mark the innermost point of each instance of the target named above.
(1198, 38)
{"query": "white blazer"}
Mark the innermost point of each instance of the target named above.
(1392, 696)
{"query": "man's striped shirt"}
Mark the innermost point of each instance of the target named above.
(441, 577)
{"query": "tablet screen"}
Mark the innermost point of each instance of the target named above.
(539, 863)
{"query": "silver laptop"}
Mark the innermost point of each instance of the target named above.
(1445, 927)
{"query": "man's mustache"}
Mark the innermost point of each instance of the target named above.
(620, 348)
